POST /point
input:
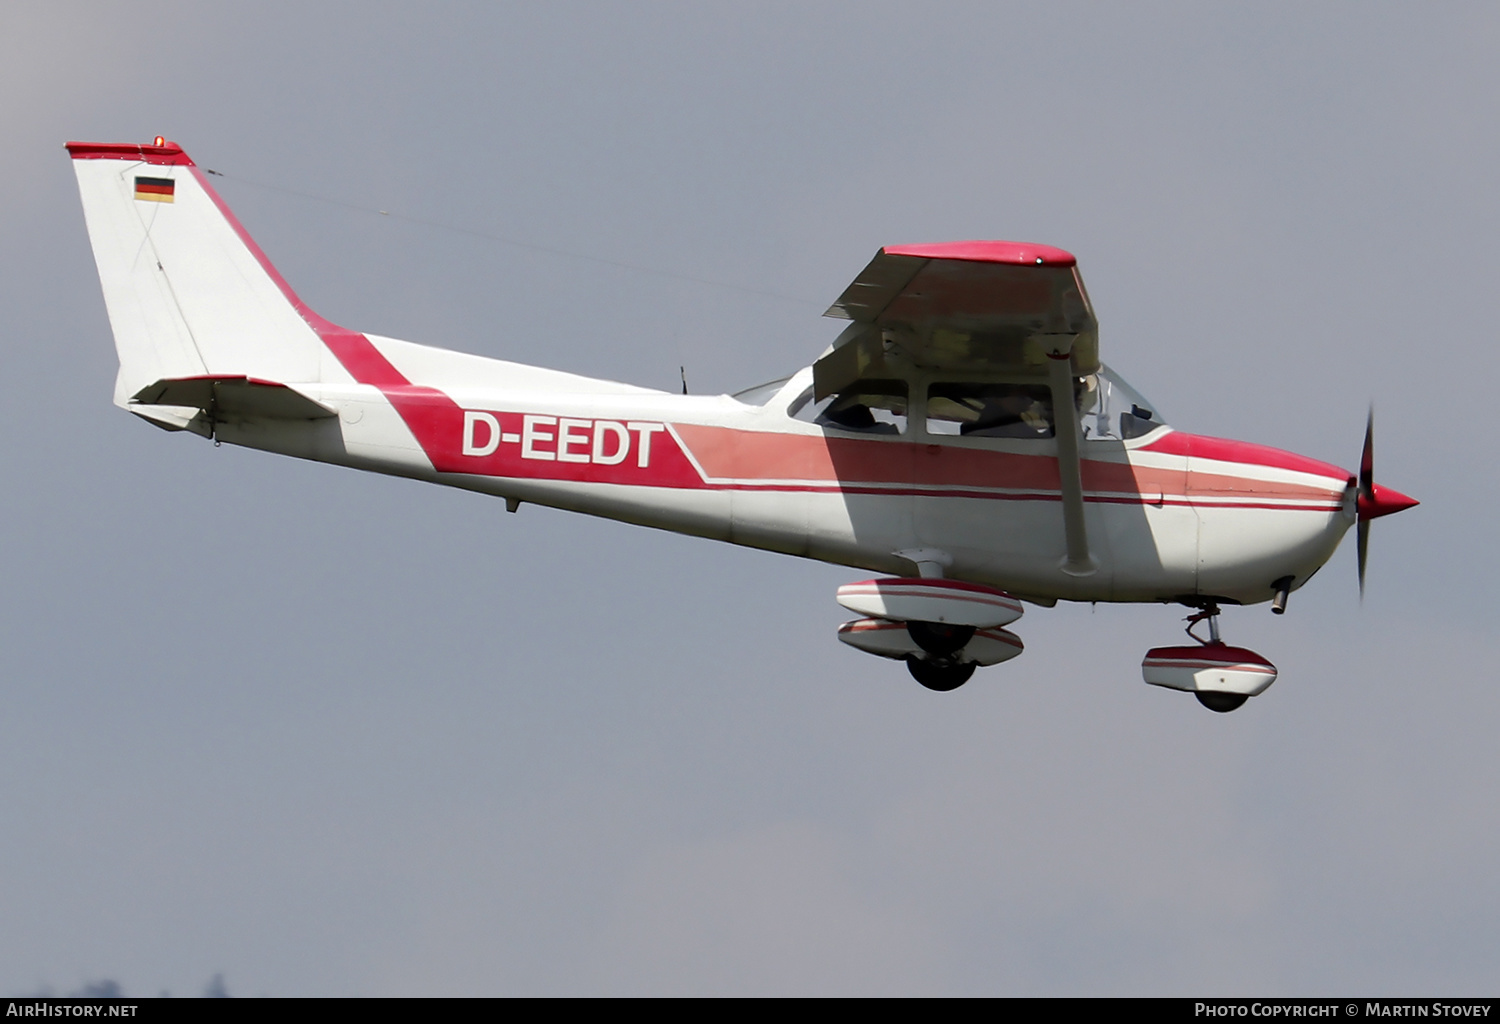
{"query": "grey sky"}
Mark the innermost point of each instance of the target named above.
(336, 734)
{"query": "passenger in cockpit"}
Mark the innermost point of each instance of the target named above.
(854, 416)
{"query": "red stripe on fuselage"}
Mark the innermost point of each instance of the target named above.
(742, 458)
(1219, 449)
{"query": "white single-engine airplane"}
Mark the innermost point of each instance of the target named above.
(960, 436)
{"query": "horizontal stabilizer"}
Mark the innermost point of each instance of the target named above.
(231, 399)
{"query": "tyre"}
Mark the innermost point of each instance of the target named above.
(1218, 700)
(939, 675)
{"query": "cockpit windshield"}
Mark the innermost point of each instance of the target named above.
(1110, 409)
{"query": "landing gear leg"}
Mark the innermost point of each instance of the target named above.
(1211, 613)
(1214, 700)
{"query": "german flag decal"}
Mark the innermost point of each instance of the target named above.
(155, 190)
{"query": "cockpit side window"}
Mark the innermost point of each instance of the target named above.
(990, 410)
(865, 407)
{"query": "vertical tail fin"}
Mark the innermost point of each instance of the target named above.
(189, 293)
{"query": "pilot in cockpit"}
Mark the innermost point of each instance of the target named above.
(874, 407)
(1012, 411)
(990, 409)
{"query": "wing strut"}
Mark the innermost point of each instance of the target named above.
(1065, 414)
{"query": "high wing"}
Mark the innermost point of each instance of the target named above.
(998, 308)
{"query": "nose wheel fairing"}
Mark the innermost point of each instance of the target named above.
(1220, 676)
(1208, 668)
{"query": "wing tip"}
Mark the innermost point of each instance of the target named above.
(1022, 254)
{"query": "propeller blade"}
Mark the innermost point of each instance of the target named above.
(1367, 459)
(1372, 502)
(1366, 494)
(1363, 537)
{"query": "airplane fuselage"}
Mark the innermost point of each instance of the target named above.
(1169, 515)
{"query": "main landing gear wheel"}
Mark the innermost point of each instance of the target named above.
(940, 639)
(1217, 700)
(939, 675)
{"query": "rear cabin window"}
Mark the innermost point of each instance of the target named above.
(866, 407)
(761, 393)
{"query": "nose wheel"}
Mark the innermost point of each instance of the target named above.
(1219, 701)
